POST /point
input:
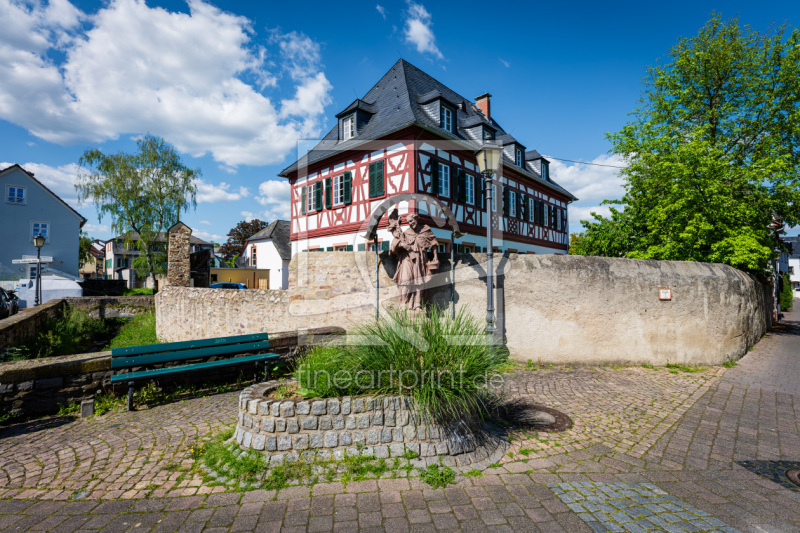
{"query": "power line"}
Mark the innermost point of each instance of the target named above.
(584, 162)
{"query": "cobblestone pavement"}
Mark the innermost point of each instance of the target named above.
(679, 446)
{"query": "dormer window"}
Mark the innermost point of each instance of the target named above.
(545, 170)
(348, 127)
(447, 119)
(519, 157)
(488, 135)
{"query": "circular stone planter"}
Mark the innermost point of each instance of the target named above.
(333, 427)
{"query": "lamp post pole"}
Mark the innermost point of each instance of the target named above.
(490, 327)
(488, 157)
(38, 241)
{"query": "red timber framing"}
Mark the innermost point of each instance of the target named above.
(409, 170)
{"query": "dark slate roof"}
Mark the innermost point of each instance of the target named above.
(794, 243)
(42, 185)
(395, 103)
(279, 232)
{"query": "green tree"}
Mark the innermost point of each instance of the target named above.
(143, 192)
(237, 237)
(712, 151)
(85, 248)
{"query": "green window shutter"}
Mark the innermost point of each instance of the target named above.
(434, 177)
(371, 181)
(328, 193)
(523, 206)
(361, 247)
(348, 187)
(376, 186)
(480, 192)
(462, 186)
(506, 206)
(329, 249)
(455, 186)
(379, 185)
(349, 247)
(303, 200)
(385, 246)
(318, 195)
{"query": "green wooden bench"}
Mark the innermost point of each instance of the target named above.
(223, 348)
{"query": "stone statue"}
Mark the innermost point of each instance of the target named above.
(413, 268)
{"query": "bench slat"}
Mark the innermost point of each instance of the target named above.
(130, 376)
(168, 357)
(187, 345)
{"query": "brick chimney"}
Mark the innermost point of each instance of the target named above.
(484, 104)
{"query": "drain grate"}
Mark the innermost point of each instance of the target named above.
(776, 471)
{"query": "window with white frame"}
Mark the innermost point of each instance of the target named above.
(442, 248)
(40, 227)
(470, 186)
(338, 190)
(447, 119)
(512, 201)
(531, 210)
(15, 195)
(253, 261)
(444, 180)
(349, 127)
(519, 157)
(310, 204)
(494, 198)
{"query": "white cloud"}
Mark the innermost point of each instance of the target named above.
(205, 222)
(60, 180)
(274, 195)
(94, 229)
(591, 184)
(504, 62)
(381, 10)
(207, 192)
(206, 236)
(418, 30)
(130, 68)
(249, 216)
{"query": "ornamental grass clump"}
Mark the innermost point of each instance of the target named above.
(445, 364)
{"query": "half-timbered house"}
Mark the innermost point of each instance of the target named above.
(411, 134)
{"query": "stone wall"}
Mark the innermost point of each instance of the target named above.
(383, 427)
(18, 328)
(113, 306)
(552, 309)
(178, 256)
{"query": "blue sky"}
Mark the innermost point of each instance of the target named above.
(235, 85)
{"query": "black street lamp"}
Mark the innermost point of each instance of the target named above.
(488, 157)
(38, 242)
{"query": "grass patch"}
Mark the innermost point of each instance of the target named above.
(650, 367)
(437, 476)
(730, 364)
(140, 330)
(525, 451)
(251, 468)
(138, 292)
(691, 369)
(473, 473)
(447, 379)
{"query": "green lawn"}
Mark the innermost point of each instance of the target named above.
(140, 330)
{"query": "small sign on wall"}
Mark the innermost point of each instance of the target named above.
(665, 294)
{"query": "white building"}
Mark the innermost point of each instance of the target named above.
(794, 264)
(271, 249)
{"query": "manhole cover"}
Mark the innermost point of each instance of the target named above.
(793, 474)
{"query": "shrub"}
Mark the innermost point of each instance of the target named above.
(73, 332)
(787, 296)
(443, 363)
